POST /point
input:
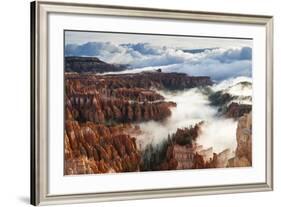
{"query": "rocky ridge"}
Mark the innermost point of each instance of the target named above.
(90, 64)
(180, 151)
(92, 148)
(243, 153)
(102, 113)
(229, 105)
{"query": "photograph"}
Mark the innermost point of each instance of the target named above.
(156, 102)
(131, 103)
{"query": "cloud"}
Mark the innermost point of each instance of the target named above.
(218, 63)
(192, 107)
(214, 68)
(143, 48)
(244, 53)
(91, 49)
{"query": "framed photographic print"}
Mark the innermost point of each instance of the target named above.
(134, 103)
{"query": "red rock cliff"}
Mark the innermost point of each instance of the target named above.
(92, 148)
(243, 153)
(100, 111)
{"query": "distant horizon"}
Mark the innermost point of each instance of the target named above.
(219, 58)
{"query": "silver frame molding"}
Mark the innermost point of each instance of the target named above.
(39, 100)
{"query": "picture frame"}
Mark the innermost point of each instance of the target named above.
(41, 92)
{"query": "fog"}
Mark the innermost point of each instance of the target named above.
(192, 107)
(234, 87)
(237, 88)
(215, 69)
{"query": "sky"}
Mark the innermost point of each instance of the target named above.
(219, 58)
(184, 42)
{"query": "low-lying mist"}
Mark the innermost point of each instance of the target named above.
(192, 107)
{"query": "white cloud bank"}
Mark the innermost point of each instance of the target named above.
(218, 63)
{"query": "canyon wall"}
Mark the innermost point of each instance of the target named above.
(235, 110)
(243, 153)
(102, 113)
(92, 148)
